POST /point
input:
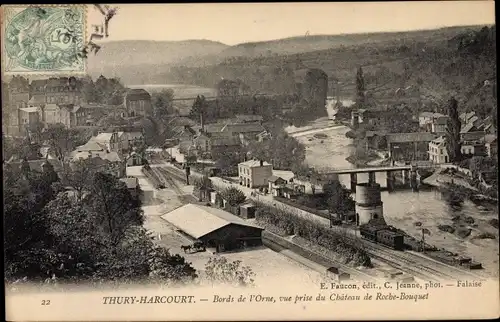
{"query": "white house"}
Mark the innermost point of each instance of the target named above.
(254, 173)
(437, 150)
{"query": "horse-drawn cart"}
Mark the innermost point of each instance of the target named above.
(197, 246)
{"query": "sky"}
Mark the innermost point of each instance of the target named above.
(248, 22)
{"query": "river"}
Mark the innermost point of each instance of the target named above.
(403, 208)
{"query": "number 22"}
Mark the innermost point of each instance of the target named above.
(45, 302)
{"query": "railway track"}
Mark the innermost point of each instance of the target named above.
(324, 261)
(416, 265)
(406, 265)
(166, 179)
(419, 266)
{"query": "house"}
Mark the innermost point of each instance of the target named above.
(90, 146)
(438, 152)
(426, 118)
(214, 227)
(439, 124)
(87, 115)
(254, 173)
(137, 102)
(472, 136)
(37, 91)
(124, 142)
(490, 143)
(38, 165)
(289, 191)
(249, 130)
(473, 148)
(275, 182)
(59, 114)
(103, 161)
(409, 146)
(103, 138)
(221, 144)
(29, 122)
(62, 90)
(433, 122)
(466, 117)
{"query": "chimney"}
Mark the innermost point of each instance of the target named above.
(261, 163)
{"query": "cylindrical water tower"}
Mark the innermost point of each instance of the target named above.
(369, 206)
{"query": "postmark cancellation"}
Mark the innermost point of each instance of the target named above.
(43, 39)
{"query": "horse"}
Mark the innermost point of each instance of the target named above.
(199, 245)
(186, 248)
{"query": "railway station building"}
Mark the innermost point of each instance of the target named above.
(216, 228)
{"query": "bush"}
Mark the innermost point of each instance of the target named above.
(289, 223)
(233, 196)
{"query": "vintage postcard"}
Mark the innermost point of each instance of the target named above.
(245, 161)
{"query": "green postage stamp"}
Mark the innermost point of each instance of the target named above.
(43, 39)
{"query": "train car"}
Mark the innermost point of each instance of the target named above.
(369, 232)
(391, 239)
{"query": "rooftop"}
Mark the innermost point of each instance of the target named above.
(244, 128)
(274, 178)
(30, 109)
(254, 163)
(410, 137)
(198, 221)
(36, 165)
(137, 94)
(104, 137)
(439, 140)
(431, 114)
(249, 118)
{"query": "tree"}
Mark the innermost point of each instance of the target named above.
(360, 88)
(79, 175)
(117, 209)
(233, 196)
(162, 103)
(198, 110)
(59, 139)
(339, 198)
(453, 128)
(220, 270)
(172, 268)
(51, 237)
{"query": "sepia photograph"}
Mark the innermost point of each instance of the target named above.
(297, 161)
